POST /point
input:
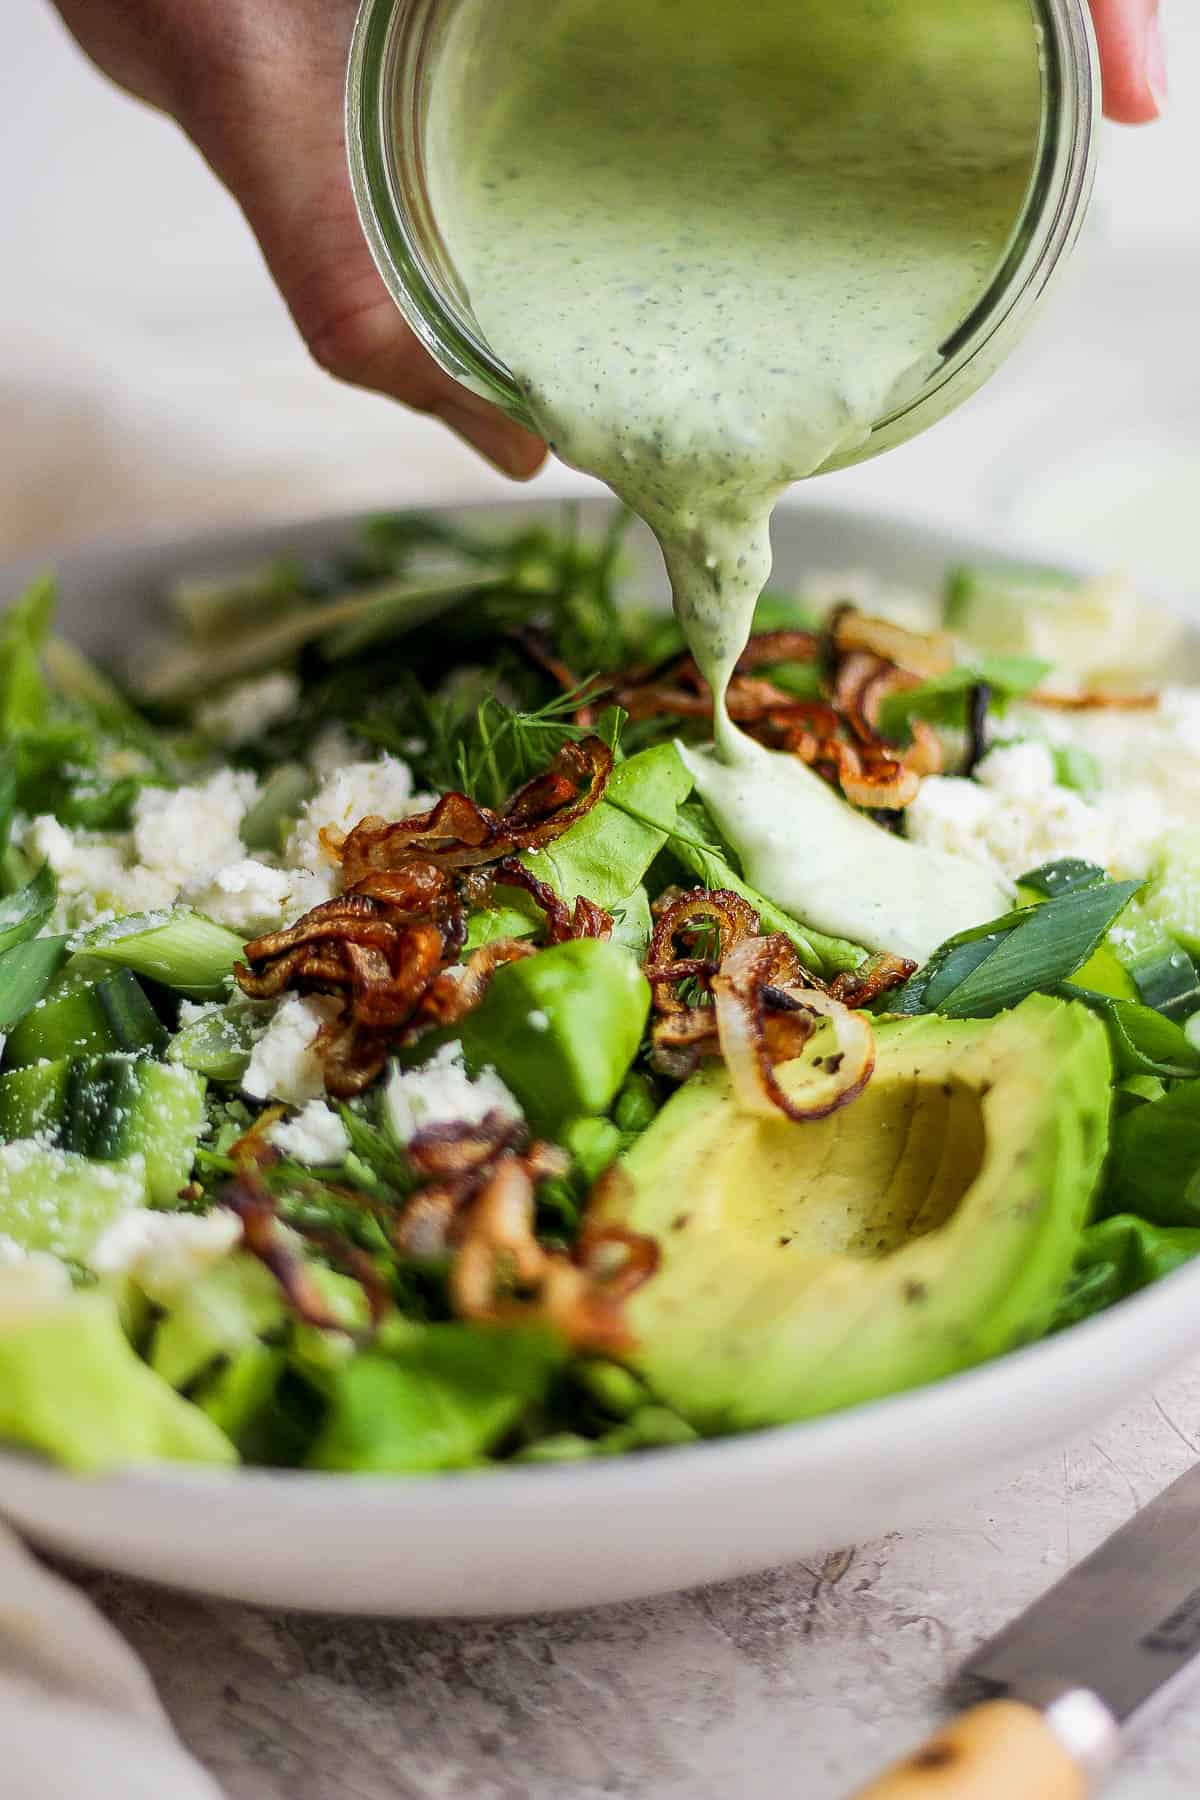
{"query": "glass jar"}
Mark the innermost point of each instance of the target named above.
(392, 64)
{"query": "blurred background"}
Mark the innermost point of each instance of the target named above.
(150, 379)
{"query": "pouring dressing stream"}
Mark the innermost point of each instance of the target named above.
(715, 245)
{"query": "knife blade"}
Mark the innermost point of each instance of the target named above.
(1095, 1657)
(1123, 1624)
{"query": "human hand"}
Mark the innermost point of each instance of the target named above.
(257, 84)
(1131, 55)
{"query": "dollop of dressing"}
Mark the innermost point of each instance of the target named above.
(716, 244)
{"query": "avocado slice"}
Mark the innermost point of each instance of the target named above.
(925, 1227)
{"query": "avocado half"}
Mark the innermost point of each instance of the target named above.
(927, 1226)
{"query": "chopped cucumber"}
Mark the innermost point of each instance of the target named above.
(53, 1200)
(79, 1017)
(115, 1109)
(219, 1044)
(118, 1107)
(33, 1101)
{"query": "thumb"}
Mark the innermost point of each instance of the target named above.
(1132, 58)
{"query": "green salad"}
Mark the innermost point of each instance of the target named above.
(400, 1073)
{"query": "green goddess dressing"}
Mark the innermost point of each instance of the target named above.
(716, 241)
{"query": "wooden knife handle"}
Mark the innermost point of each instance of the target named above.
(1000, 1751)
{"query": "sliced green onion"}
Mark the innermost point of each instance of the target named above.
(181, 948)
(26, 971)
(1168, 981)
(1062, 877)
(23, 914)
(983, 972)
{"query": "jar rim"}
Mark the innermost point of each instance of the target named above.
(386, 155)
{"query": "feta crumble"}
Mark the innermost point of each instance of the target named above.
(94, 874)
(1012, 818)
(283, 1064)
(185, 834)
(246, 711)
(163, 1252)
(248, 895)
(443, 1093)
(358, 790)
(314, 1135)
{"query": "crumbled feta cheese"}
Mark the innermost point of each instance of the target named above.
(308, 888)
(314, 1135)
(283, 1065)
(163, 1252)
(1021, 771)
(539, 1020)
(186, 833)
(357, 790)
(192, 1011)
(93, 874)
(1012, 818)
(1149, 767)
(246, 711)
(442, 1093)
(250, 896)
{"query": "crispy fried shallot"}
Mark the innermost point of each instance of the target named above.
(862, 661)
(275, 1245)
(766, 1016)
(502, 1275)
(388, 947)
(587, 920)
(1095, 702)
(458, 833)
(694, 916)
(877, 976)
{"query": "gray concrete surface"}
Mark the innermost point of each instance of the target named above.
(799, 1682)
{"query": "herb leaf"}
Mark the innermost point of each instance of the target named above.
(943, 699)
(1154, 1169)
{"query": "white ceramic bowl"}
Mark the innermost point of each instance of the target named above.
(525, 1539)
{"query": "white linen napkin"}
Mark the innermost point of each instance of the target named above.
(79, 1718)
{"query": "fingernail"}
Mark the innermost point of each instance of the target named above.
(1156, 63)
(506, 446)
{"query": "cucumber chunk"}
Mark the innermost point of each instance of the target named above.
(80, 1017)
(119, 1107)
(53, 1200)
(33, 1102)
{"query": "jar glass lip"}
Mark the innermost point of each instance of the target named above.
(393, 39)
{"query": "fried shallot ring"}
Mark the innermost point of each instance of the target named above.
(763, 1020)
(733, 918)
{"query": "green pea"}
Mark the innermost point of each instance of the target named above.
(637, 1103)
